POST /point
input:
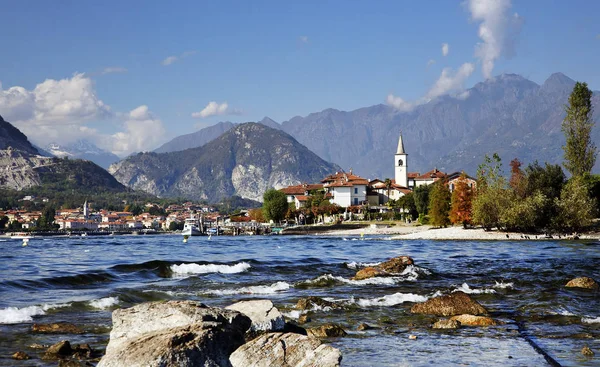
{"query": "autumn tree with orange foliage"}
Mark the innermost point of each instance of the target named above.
(518, 180)
(462, 199)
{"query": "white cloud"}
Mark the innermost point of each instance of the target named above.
(445, 49)
(142, 131)
(399, 104)
(497, 30)
(171, 59)
(430, 62)
(214, 109)
(449, 82)
(303, 39)
(54, 108)
(113, 70)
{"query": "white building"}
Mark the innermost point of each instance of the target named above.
(346, 189)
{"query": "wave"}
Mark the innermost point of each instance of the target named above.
(104, 303)
(590, 320)
(391, 300)
(502, 285)
(354, 265)
(255, 289)
(467, 289)
(15, 315)
(185, 269)
(329, 280)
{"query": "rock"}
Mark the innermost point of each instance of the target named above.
(446, 324)
(264, 316)
(61, 349)
(73, 363)
(456, 303)
(57, 328)
(363, 326)
(326, 331)
(582, 282)
(312, 302)
(393, 266)
(470, 320)
(303, 319)
(20, 356)
(290, 327)
(38, 346)
(412, 337)
(276, 349)
(586, 351)
(83, 351)
(174, 333)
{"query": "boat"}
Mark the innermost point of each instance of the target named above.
(192, 227)
(20, 236)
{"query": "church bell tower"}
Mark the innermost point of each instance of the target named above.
(400, 164)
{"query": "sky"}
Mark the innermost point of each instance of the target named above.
(131, 75)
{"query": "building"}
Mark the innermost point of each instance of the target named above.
(346, 189)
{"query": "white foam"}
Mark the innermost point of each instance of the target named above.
(15, 315)
(370, 281)
(354, 265)
(104, 303)
(467, 289)
(185, 269)
(391, 300)
(589, 320)
(293, 314)
(257, 289)
(503, 285)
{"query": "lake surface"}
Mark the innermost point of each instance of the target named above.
(82, 280)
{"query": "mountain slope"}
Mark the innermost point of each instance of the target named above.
(194, 140)
(244, 161)
(22, 167)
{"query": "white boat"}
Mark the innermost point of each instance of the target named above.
(192, 227)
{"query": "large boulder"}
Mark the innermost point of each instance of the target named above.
(471, 320)
(582, 282)
(446, 324)
(174, 333)
(285, 350)
(456, 303)
(393, 266)
(329, 330)
(264, 316)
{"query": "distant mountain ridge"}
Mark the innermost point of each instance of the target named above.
(82, 149)
(507, 114)
(245, 161)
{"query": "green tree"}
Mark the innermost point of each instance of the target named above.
(388, 186)
(525, 214)
(549, 180)
(491, 197)
(439, 204)
(421, 196)
(407, 204)
(580, 150)
(576, 208)
(275, 205)
(3, 221)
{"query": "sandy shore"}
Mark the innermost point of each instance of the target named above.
(414, 232)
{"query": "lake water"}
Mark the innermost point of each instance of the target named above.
(82, 280)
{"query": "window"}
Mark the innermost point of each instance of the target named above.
(356, 190)
(355, 201)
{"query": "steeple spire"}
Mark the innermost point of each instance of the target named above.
(400, 145)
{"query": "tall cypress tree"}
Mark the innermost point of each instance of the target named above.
(580, 151)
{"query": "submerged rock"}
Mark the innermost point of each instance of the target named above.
(61, 349)
(364, 326)
(276, 349)
(446, 324)
(582, 282)
(586, 351)
(312, 302)
(456, 303)
(56, 328)
(303, 319)
(264, 316)
(393, 266)
(20, 356)
(471, 320)
(329, 330)
(174, 333)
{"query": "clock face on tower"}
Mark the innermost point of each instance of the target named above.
(400, 162)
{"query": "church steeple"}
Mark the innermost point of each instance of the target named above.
(400, 149)
(401, 164)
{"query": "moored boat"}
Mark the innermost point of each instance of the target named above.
(192, 226)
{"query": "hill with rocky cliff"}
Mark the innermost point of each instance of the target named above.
(246, 160)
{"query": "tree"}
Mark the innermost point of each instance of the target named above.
(439, 204)
(256, 215)
(3, 221)
(575, 207)
(580, 150)
(422, 199)
(407, 204)
(518, 180)
(462, 202)
(275, 205)
(549, 180)
(525, 214)
(491, 197)
(388, 186)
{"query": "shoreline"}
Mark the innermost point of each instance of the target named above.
(458, 233)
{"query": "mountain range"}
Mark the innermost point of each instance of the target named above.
(82, 149)
(508, 114)
(245, 161)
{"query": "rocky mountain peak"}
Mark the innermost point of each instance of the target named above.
(558, 82)
(12, 137)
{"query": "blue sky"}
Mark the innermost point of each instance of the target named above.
(146, 68)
